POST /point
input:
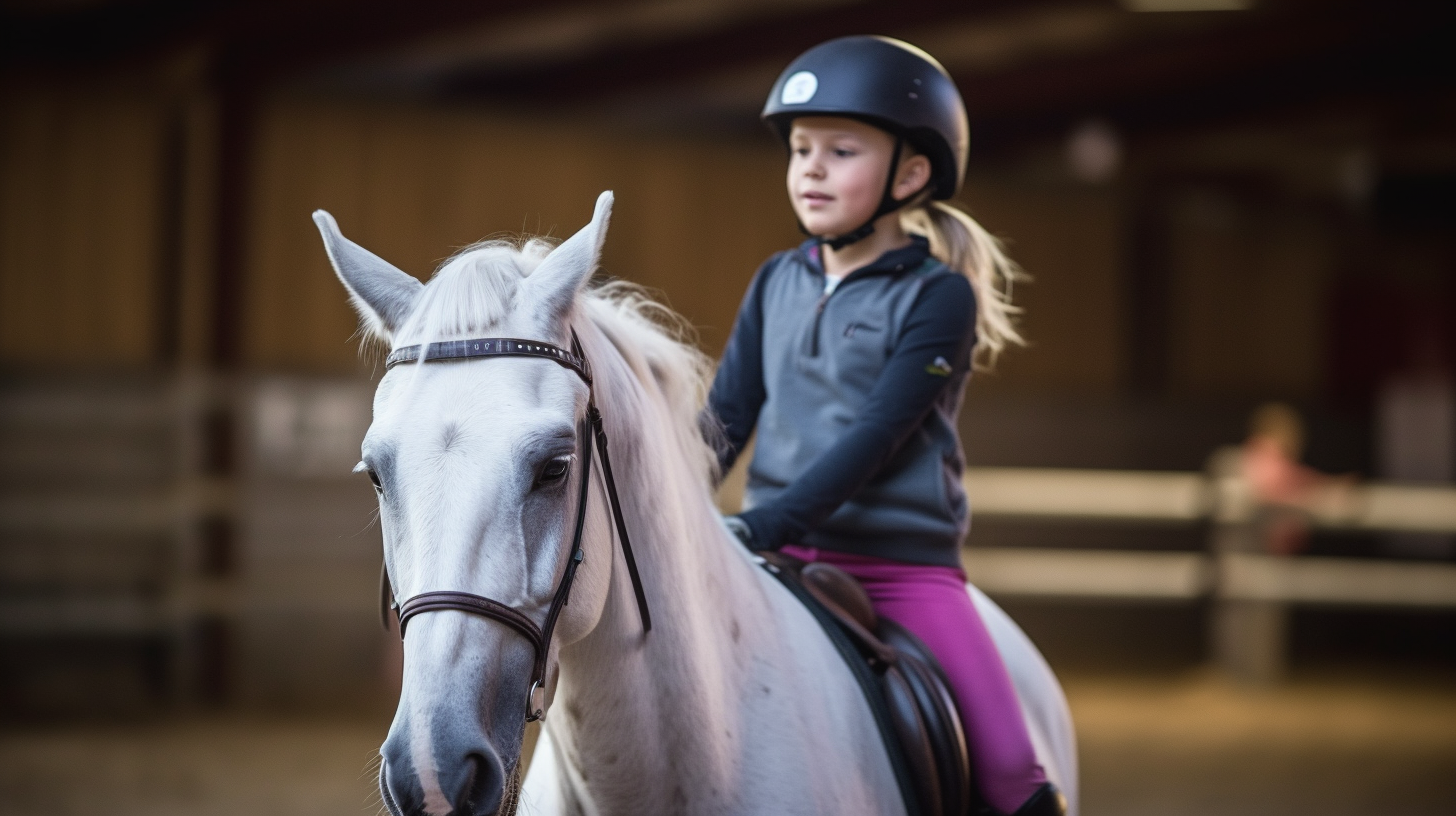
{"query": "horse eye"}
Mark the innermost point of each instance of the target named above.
(554, 471)
(373, 477)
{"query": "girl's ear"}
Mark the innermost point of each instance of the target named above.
(913, 176)
(555, 283)
(382, 295)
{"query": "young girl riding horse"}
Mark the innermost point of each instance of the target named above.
(850, 355)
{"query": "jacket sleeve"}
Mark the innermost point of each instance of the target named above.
(738, 390)
(941, 324)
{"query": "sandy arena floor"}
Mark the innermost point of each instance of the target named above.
(1194, 746)
(1201, 747)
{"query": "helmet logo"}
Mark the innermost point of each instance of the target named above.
(799, 88)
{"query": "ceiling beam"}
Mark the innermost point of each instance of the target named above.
(252, 42)
(92, 35)
(340, 31)
(1278, 62)
(680, 60)
(1283, 51)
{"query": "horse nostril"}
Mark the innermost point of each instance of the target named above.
(484, 785)
(475, 786)
(451, 769)
(390, 798)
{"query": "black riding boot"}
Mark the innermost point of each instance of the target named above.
(1047, 801)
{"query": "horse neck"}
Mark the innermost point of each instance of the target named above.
(621, 688)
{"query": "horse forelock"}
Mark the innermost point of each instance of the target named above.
(472, 291)
(475, 291)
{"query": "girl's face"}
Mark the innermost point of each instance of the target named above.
(837, 172)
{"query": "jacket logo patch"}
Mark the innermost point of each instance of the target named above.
(939, 367)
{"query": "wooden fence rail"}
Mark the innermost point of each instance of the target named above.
(1252, 591)
(159, 430)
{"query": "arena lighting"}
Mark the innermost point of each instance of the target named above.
(1187, 5)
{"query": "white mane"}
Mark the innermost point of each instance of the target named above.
(474, 291)
(659, 345)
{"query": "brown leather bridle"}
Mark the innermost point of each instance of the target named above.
(539, 636)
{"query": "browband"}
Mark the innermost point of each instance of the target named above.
(491, 347)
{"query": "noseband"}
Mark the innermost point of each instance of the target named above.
(539, 636)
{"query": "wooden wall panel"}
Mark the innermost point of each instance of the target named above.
(1069, 239)
(80, 182)
(81, 238)
(692, 219)
(1249, 297)
(293, 308)
(80, 228)
(701, 219)
(79, 256)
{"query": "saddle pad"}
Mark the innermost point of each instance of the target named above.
(904, 687)
(868, 683)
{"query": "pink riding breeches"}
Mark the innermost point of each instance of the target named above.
(932, 602)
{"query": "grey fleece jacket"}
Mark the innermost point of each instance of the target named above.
(854, 395)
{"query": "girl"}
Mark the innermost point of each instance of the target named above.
(850, 354)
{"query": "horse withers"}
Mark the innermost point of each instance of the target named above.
(734, 703)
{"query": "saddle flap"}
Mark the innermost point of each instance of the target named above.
(833, 588)
(916, 740)
(880, 655)
(939, 718)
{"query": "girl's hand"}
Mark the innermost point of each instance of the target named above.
(740, 529)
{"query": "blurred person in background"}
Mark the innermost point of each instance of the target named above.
(850, 355)
(1286, 490)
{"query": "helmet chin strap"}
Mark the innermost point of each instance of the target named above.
(888, 204)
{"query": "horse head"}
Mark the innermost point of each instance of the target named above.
(476, 466)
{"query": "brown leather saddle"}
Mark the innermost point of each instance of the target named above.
(904, 685)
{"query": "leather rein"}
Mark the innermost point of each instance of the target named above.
(539, 636)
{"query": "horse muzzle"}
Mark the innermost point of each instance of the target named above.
(455, 743)
(470, 780)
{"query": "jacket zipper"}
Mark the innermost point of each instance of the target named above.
(824, 299)
(818, 316)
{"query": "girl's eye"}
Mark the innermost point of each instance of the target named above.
(554, 471)
(843, 153)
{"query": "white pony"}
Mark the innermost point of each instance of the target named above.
(735, 703)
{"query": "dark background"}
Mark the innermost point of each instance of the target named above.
(1218, 208)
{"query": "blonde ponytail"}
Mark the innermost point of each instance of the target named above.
(965, 246)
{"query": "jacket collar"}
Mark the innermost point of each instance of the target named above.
(894, 262)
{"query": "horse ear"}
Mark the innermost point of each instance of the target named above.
(383, 295)
(562, 274)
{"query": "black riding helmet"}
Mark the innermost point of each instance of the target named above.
(886, 83)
